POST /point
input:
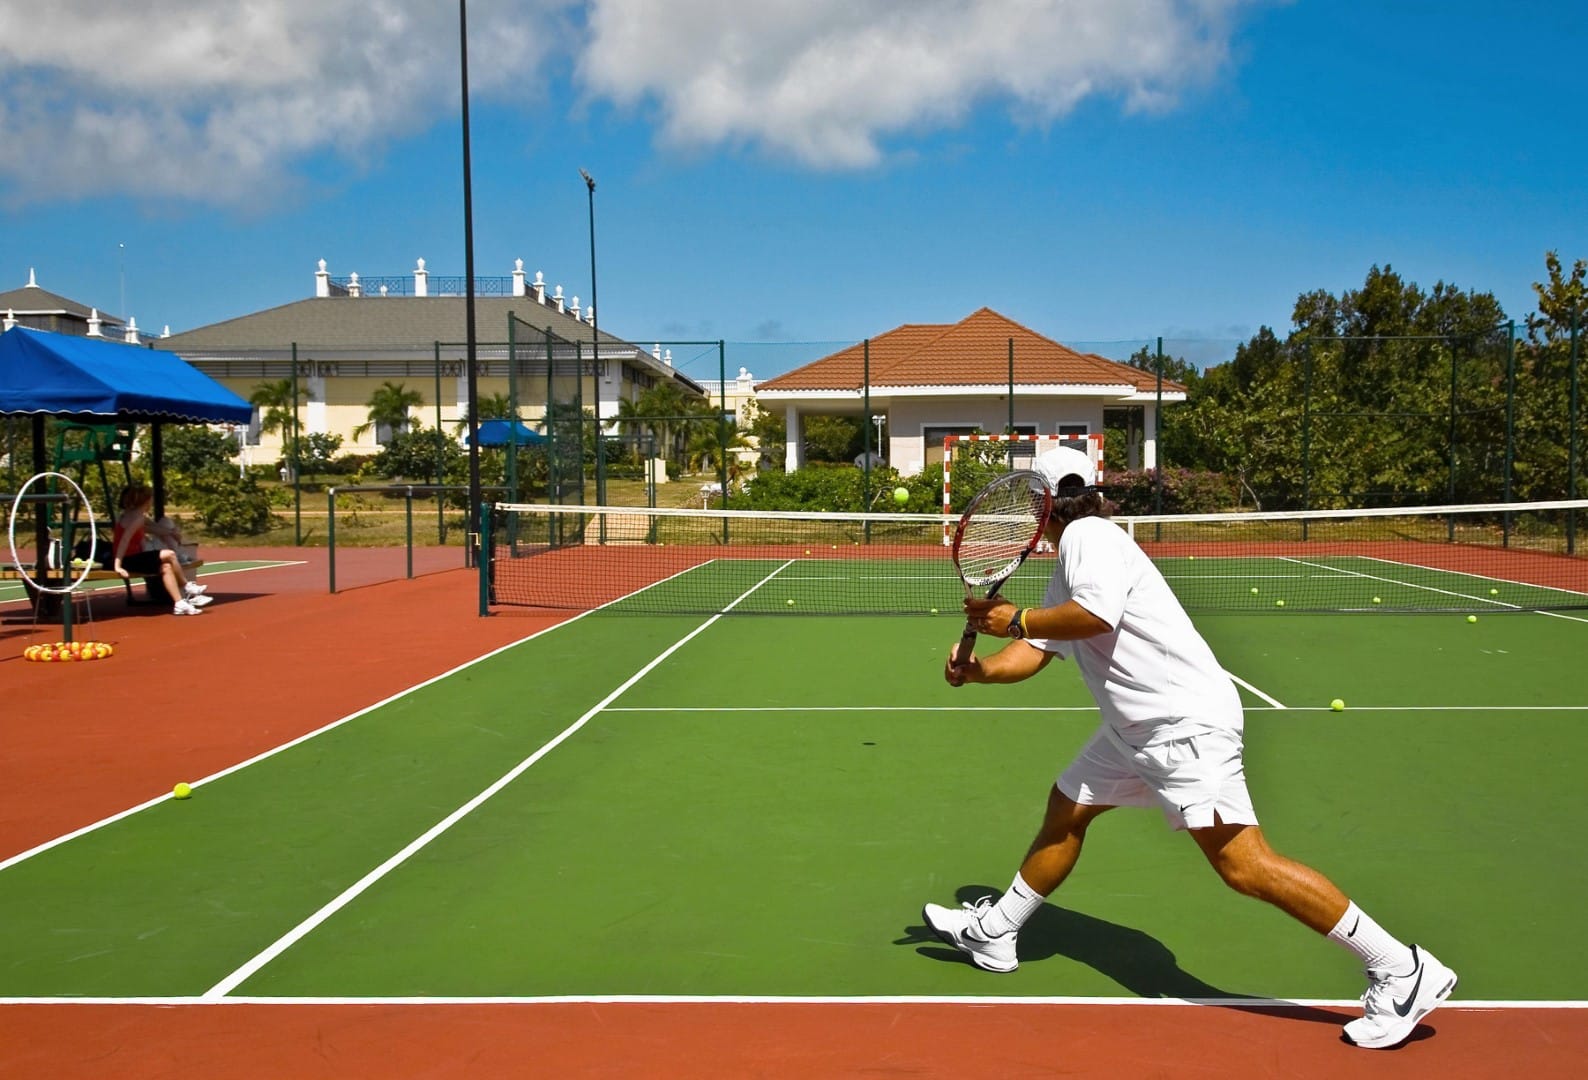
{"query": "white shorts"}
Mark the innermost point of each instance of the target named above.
(1188, 779)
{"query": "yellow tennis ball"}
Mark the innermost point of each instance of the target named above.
(901, 495)
(1472, 618)
(1279, 603)
(1254, 590)
(1191, 558)
(182, 791)
(1494, 592)
(934, 611)
(1337, 705)
(789, 601)
(1376, 600)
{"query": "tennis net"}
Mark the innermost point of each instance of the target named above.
(628, 560)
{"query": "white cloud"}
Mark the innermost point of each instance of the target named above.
(223, 101)
(218, 100)
(821, 81)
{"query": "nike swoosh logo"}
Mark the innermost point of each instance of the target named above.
(1404, 1007)
(1352, 932)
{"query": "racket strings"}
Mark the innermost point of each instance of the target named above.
(997, 533)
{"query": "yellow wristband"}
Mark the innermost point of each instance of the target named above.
(1025, 631)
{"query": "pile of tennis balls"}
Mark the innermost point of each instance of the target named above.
(66, 652)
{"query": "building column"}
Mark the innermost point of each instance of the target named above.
(794, 451)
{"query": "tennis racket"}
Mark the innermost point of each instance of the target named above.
(999, 528)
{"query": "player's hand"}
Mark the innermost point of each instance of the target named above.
(989, 616)
(125, 576)
(960, 674)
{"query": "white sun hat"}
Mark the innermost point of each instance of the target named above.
(1065, 467)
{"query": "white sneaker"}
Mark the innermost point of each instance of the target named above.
(961, 928)
(1394, 1003)
(199, 599)
(193, 589)
(185, 607)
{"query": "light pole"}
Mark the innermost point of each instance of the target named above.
(595, 346)
(471, 347)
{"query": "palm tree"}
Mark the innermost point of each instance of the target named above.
(279, 405)
(712, 444)
(389, 406)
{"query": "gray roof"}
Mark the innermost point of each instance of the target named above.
(366, 322)
(32, 298)
(398, 325)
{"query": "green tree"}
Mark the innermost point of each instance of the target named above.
(1541, 467)
(388, 406)
(278, 406)
(770, 430)
(832, 438)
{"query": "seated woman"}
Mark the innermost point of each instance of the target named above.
(129, 557)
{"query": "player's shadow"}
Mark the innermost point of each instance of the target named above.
(1134, 959)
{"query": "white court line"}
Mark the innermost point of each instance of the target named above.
(94, 588)
(352, 892)
(273, 751)
(332, 726)
(1065, 708)
(1446, 592)
(1237, 680)
(751, 999)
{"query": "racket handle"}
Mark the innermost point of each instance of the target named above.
(967, 645)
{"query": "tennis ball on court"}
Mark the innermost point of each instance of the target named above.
(1337, 705)
(1191, 558)
(807, 551)
(1254, 590)
(1494, 592)
(901, 495)
(1279, 603)
(790, 601)
(182, 791)
(1376, 600)
(1472, 618)
(934, 611)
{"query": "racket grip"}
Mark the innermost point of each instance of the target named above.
(967, 645)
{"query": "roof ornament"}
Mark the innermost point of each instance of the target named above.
(95, 323)
(421, 280)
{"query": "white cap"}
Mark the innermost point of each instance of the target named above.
(1057, 466)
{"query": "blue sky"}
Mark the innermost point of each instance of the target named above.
(1104, 171)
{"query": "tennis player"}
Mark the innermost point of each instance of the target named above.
(1170, 737)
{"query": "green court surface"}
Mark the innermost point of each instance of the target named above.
(756, 806)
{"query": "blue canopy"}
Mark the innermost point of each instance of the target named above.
(62, 375)
(500, 432)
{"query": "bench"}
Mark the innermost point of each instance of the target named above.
(153, 586)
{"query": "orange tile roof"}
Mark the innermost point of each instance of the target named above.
(971, 352)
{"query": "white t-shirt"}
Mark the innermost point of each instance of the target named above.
(1152, 671)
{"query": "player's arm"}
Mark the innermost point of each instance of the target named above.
(1067, 622)
(1013, 663)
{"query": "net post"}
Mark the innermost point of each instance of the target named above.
(865, 430)
(408, 516)
(1450, 485)
(1510, 420)
(1011, 422)
(512, 407)
(292, 458)
(722, 430)
(330, 535)
(487, 548)
(441, 459)
(1571, 452)
(1157, 439)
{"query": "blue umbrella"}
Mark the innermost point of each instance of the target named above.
(501, 432)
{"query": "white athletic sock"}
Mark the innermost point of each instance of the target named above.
(1012, 910)
(1378, 949)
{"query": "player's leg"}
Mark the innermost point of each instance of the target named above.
(176, 581)
(1096, 781)
(1205, 784)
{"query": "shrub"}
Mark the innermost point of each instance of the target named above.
(237, 508)
(1185, 491)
